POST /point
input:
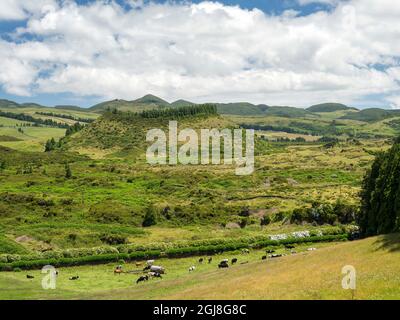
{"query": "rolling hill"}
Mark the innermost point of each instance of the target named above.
(329, 107)
(372, 115)
(122, 133)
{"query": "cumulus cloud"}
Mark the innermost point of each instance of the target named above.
(205, 52)
(22, 9)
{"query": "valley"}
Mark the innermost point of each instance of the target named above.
(92, 194)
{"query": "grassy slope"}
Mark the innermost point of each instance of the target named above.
(306, 275)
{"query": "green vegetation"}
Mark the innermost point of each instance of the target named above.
(65, 116)
(91, 197)
(372, 115)
(380, 194)
(329, 107)
(294, 276)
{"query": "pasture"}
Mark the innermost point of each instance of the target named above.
(304, 275)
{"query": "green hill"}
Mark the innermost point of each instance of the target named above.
(4, 103)
(371, 115)
(151, 99)
(329, 107)
(181, 103)
(248, 109)
(122, 133)
(287, 112)
(239, 108)
(147, 102)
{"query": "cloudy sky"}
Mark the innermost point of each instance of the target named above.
(277, 52)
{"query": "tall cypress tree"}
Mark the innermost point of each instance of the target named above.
(380, 195)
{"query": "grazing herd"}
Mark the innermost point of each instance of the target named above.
(154, 271)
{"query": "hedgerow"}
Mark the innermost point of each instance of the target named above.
(98, 255)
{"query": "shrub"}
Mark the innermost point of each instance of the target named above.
(149, 217)
(113, 239)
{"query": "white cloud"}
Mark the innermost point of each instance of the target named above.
(206, 51)
(22, 9)
(330, 2)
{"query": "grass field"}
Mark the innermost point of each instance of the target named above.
(304, 275)
(31, 138)
(110, 191)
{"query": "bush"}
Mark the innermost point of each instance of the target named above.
(113, 239)
(266, 220)
(149, 217)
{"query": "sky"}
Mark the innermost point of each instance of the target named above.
(274, 52)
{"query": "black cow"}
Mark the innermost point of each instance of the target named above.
(74, 278)
(223, 264)
(29, 276)
(142, 278)
(264, 258)
(234, 260)
(146, 268)
(201, 260)
(209, 260)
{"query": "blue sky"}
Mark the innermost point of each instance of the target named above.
(291, 52)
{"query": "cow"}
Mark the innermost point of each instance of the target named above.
(223, 264)
(201, 260)
(150, 262)
(146, 268)
(142, 278)
(157, 269)
(209, 259)
(118, 269)
(234, 260)
(74, 278)
(192, 268)
(276, 255)
(28, 276)
(270, 251)
(155, 275)
(264, 258)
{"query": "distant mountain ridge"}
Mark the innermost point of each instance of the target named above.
(151, 101)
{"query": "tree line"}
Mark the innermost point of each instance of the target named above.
(180, 112)
(36, 121)
(65, 116)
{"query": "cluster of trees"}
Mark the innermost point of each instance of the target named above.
(37, 121)
(51, 144)
(325, 214)
(285, 139)
(74, 128)
(272, 128)
(65, 116)
(179, 112)
(380, 195)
